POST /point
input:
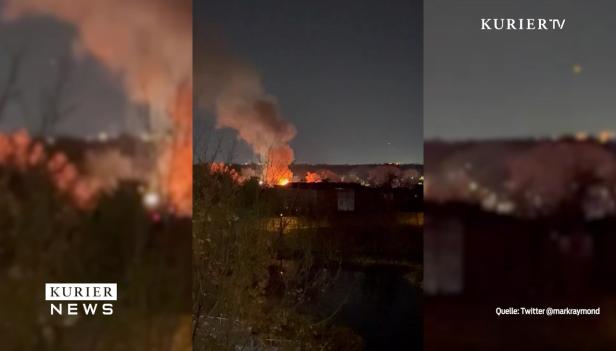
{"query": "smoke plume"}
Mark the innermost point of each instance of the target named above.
(148, 44)
(233, 90)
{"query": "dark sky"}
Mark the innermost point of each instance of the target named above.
(92, 100)
(516, 84)
(347, 73)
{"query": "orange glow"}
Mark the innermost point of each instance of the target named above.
(606, 136)
(20, 151)
(276, 168)
(179, 169)
(152, 53)
(283, 182)
(581, 136)
(221, 168)
(312, 177)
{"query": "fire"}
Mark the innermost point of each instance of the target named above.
(152, 54)
(233, 92)
(277, 165)
(20, 151)
(221, 168)
(240, 178)
(312, 177)
(179, 171)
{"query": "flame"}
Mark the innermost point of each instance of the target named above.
(312, 177)
(277, 165)
(283, 182)
(179, 171)
(221, 168)
(20, 151)
(152, 54)
(233, 91)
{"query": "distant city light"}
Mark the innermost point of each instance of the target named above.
(581, 136)
(151, 200)
(606, 136)
(577, 69)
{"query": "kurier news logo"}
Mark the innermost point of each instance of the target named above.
(89, 299)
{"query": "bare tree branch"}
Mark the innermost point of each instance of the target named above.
(54, 102)
(9, 91)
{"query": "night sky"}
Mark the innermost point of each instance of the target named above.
(93, 100)
(347, 73)
(517, 84)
